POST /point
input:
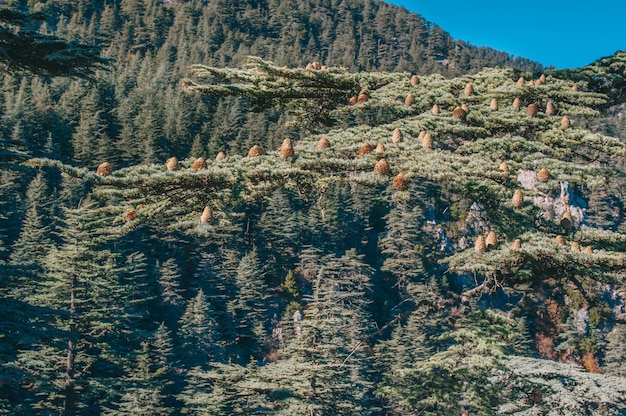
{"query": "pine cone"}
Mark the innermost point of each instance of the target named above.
(397, 136)
(353, 100)
(543, 175)
(409, 100)
(380, 148)
(479, 246)
(382, 167)
(104, 169)
(220, 156)
(588, 250)
(365, 149)
(255, 151)
(323, 143)
(575, 246)
(172, 164)
(207, 215)
(542, 78)
(414, 80)
(469, 90)
(459, 113)
(286, 149)
(400, 182)
(198, 164)
(427, 141)
(491, 241)
(435, 110)
(520, 82)
(550, 110)
(518, 199)
(531, 111)
(574, 88)
(516, 244)
(517, 103)
(362, 98)
(560, 240)
(565, 123)
(567, 221)
(493, 105)
(504, 168)
(465, 107)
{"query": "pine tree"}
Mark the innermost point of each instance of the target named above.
(249, 310)
(458, 376)
(170, 282)
(198, 333)
(614, 356)
(402, 248)
(325, 367)
(81, 308)
(26, 49)
(144, 391)
(471, 168)
(280, 229)
(34, 242)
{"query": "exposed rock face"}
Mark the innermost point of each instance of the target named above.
(477, 221)
(555, 206)
(527, 178)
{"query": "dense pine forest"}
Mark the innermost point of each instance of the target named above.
(307, 207)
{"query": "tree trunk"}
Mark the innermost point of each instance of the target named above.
(70, 405)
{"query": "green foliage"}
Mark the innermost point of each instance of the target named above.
(198, 331)
(459, 375)
(24, 48)
(607, 75)
(319, 284)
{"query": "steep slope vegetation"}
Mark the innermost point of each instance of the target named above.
(416, 257)
(437, 262)
(136, 112)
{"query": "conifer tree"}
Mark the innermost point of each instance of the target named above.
(457, 377)
(325, 367)
(481, 295)
(81, 305)
(614, 356)
(198, 333)
(25, 48)
(410, 340)
(402, 248)
(170, 282)
(34, 241)
(144, 390)
(249, 310)
(280, 229)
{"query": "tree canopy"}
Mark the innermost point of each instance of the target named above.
(369, 218)
(24, 48)
(503, 177)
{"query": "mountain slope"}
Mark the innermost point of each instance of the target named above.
(153, 43)
(415, 257)
(465, 222)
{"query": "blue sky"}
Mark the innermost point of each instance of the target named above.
(559, 33)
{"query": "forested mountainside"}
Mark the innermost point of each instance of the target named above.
(427, 239)
(153, 43)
